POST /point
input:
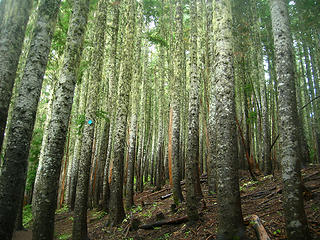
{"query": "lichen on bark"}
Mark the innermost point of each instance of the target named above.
(14, 170)
(296, 221)
(228, 195)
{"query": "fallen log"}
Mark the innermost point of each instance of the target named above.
(166, 196)
(154, 193)
(271, 195)
(256, 194)
(164, 222)
(259, 228)
(306, 178)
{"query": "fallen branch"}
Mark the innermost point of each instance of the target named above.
(155, 193)
(259, 228)
(255, 195)
(270, 196)
(310, 102)
(132, 226)
(274, 142)
(310, 176)
(166, 196)
(164, 222)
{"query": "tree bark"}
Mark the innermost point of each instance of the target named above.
(47, 180)
(193, 133)
(296, 222)
(228, 199)
(14, 17)
(137, 75)
(14, 169)
(77, 146)
(117, 213)
(211, 127)
(79, 228)
(113, 89)
(175, 104)
(2, 11)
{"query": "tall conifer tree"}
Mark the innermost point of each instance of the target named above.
(14, 17)
(296, 221)
(47, 180)
(14, 169)
(229, 207)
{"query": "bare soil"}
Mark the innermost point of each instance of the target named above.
(262, 198)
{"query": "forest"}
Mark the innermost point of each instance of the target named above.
(159, 119)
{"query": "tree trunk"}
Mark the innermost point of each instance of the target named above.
(211, 125)
(229, 207)
(15, 16)
(102, 161)
(193, 133)
(117, 213)
(137, 75)
(113, 89)
(296, 222)
(79, 229)
(77, 146)
(3, 4)
(175, 104)
(14, 169)
(47, 181)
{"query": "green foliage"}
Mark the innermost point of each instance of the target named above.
(147, 213)
(34, 155)
(248, 88)
(27, 215)
(278, 231)
(102, 115)
(1, 157)
(252, 117)
(61, 32)
(249, 186)
(84, 65)
(62, 210)
(155, 38)
(93, 5)
(315, 207)
(165, 236)
(65, 236)
(79, 123)
(99, 214)
(312, 153)
(151, 10)
(136, 209)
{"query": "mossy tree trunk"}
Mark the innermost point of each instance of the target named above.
(175, 103)
(48, 173)
(229, 207)
(14, 169)
(296, 222)
(113, 63)
(117, 213)
(193, 133)
(137, 75)
(79, 228)
(14, 17)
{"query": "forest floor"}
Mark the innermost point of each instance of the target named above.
(261, 198)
